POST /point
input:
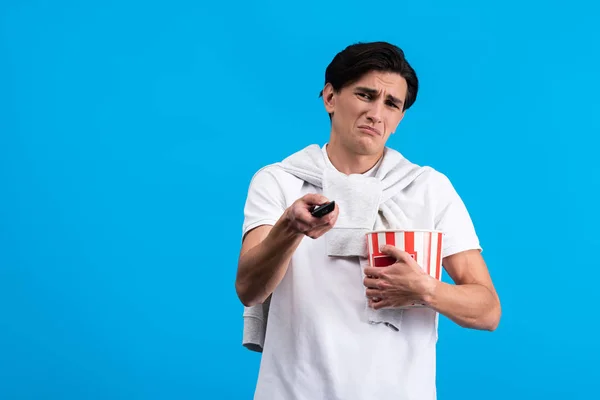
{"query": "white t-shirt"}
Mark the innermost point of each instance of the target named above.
(319, 344)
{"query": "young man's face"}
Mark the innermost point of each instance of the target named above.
(366, 112)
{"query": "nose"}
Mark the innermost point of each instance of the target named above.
(374, 113)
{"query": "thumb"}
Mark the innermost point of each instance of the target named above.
(394, 252)
(314, 199)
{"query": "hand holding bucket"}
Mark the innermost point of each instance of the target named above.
(413, 260)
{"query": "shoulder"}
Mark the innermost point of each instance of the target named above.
(274, 175)
(431, 180)
(403, 171)
(274, 184)
(439, 189)
(429, 184)
(438, 180)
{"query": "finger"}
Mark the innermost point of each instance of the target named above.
(325, 221)
(331, 218)
(313, 199)
(306, 217)
(318, 231)
(303, 226)
(321, 226)
(376, 303)
(371, 283)
(334, 215)
(375, 272)
(319, 223)
(374, 294)
(324, 227)
(400, 255)
(392, 251)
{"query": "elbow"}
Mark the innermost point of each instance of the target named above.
(492, 318)
(492, 324)
(242, 294)
(485, 321)
(247, 299)
(242, 290)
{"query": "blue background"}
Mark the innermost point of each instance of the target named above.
(129, 132)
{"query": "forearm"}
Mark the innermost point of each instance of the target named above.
(468, 305)
(261, 268)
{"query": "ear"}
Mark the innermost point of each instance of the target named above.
(329, 98)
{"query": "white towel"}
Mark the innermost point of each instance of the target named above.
(366, 203)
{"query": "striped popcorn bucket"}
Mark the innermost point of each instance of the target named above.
(424, 246)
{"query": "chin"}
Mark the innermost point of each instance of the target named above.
(368, 149)
(368, 146)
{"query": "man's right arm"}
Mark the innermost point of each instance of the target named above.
(267, 250)
(265, 255)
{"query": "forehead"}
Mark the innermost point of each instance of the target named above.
(389, 82)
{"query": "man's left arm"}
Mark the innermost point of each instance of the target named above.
(472, 302)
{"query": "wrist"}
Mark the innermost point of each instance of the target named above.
(428, 289)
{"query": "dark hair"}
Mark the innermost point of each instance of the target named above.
(358, 59)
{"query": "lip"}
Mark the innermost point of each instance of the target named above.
(370, 130)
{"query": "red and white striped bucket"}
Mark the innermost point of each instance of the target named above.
(425, 246)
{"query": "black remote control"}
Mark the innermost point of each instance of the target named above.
(323, 209)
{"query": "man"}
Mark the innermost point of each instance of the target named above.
(335, 327)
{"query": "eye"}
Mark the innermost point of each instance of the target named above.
(364, 95)
(392, 104)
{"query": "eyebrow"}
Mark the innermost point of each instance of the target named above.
(374, 92)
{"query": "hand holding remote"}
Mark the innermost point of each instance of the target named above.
(312, 215)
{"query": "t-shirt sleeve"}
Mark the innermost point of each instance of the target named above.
(265, 202)
(453, 219)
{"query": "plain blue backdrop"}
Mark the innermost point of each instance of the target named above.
(129, 132)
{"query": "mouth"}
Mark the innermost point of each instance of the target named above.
(370, 130)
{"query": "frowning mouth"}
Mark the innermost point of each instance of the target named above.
(370, 130)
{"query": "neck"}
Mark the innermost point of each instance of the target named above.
(348, 162)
